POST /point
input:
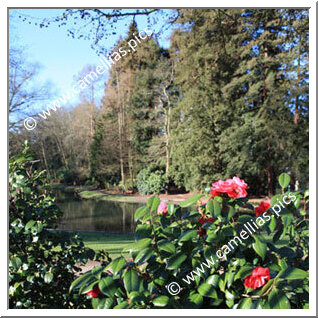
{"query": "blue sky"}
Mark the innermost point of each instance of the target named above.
(60, 56)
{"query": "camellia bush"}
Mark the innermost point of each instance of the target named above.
(185, 255)
(43, 263)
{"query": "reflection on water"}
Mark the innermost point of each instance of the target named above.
(94, 215)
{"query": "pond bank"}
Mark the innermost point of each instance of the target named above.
(133, 198)
(89, 192)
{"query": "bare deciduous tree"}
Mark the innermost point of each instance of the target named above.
(25, 92)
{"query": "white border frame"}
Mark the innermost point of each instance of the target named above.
(312, 164)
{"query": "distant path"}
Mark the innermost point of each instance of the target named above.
(137, 198)
(134, 198)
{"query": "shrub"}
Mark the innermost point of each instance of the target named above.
(150, 182)
(269, 269)
(67, 175)
(42, 262)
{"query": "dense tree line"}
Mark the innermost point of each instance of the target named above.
(229, 97)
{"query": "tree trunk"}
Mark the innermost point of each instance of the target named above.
(167, 112)
(120, 134)
(130, 161)
(270, 181)
(44, 159)
(292, 183)
(264, 92)
(296, 116)
(60, 147)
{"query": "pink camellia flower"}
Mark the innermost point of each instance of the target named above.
(235, 188)
(262, 207)
(242, 186)
(239, 182)
(162, 208)
(258, 277)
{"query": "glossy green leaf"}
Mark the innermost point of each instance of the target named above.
(230, 213)
(222, 284)
(15, 262)
(144, 255)
(191, 201)
(155, 204)
(88, 285)
(104, 303)
(123, 305)
(229, 295)
(141, 244)
(96, 271)
(48, 277)
(150, 201)
(78, 282)
(166, 246)
(131, 280)
(297, 203)
(260, 247)
(245, 303)
(143, 231)
(175, 261)
(216, 208)
(209, 207)
(277, 300)
(284, 180)
(276, 199)
(136, 296)
(207, 290)
(161, 301)
(244, 219)
(30, 224)
(170, 207)
(107, 286)
(141, 212)
(196, 300)
(213, 280)
(118, 264)
(188, 235)
(292, 273)
(230, 279)
(272, 224)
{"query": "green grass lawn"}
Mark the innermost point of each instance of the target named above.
(115, 243)
(112, 243)
(102, 196)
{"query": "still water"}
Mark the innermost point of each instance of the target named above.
(95, 215)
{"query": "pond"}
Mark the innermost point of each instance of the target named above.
(95, 215)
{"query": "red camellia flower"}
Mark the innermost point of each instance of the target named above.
(162, 209)
(94, 292)
(201, 231)
(262, 207)
(258, 277)
(235, 188)
(204, 219)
